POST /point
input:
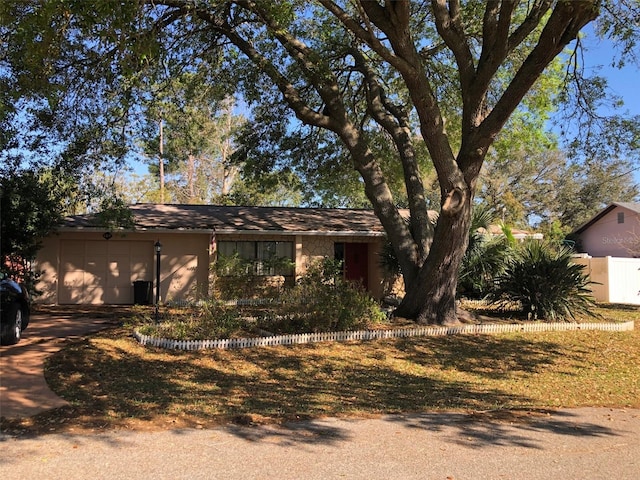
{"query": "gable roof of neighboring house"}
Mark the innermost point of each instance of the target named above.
(234, 219)
(634, 207)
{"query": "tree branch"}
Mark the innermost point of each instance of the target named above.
(450, 27)
(412, 71)
(324, 82)
(395, 121)
(367, 34)
(290, 94)
(563, 26)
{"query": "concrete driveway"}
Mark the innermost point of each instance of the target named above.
(23, 389)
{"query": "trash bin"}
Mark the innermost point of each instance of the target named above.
(142, 290)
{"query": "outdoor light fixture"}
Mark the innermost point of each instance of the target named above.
(158, 248)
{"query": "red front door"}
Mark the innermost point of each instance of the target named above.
(356, 263)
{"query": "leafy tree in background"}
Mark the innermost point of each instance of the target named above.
(198, 126)
(274, 144)
(281, 189)
(31, 205)
(438, 80)
(586, 187)
(521, 166)
(530, 180)
(276, 154)
(551, 192)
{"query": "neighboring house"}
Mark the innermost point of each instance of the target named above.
(85, 263)
(608, 242)
(518, 234)
(614, 232)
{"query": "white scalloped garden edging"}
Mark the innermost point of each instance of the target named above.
(229, 343)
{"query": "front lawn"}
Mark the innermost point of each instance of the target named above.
(113, 382)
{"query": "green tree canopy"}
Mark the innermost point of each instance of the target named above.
(31, 205)
(395, 85)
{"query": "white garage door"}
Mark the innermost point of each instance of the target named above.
(102, 272)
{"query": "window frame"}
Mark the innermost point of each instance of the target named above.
(258, 253)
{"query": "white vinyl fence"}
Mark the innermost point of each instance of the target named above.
(617, 279)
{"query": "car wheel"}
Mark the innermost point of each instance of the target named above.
(14, 332)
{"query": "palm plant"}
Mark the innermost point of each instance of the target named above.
(486, 256)
(545, 283)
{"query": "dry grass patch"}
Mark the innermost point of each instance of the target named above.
(113, 382)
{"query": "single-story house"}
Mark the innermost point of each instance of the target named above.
(86, 263)
(614, 232)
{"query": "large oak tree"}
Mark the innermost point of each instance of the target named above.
(361, 70)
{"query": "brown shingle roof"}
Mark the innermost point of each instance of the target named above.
(242, 219)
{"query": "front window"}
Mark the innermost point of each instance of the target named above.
(256, 258)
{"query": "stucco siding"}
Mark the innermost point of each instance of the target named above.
(85, 268)
(79, 267)
(608, 237)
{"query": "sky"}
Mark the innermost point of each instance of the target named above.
(624, 82)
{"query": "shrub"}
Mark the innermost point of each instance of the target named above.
(545, 283)
(209, 320)
(236, 277)
(320, 301)
(323, 301)
(485, 260)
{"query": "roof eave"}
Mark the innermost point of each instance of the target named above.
(595, 218)
(226, 231)
(316, 233)
(68, 229)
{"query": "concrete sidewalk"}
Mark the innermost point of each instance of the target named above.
(23, 389)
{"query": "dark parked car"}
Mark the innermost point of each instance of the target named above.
(14, 311)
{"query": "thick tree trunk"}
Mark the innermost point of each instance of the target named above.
(431, 297)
